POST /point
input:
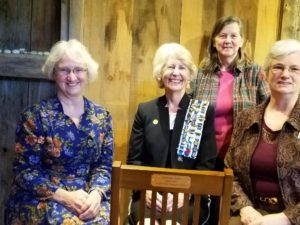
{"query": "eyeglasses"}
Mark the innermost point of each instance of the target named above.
(65, 71)
(278, 69)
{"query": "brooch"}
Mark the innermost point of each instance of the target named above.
(155, 121)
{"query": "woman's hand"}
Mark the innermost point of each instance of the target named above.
(149, 199)
(171, 199)
(274, 219)
(91, 206)
(73, 200)
(159, 201)
(249, 214)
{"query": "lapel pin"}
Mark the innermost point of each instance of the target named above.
(155, 121)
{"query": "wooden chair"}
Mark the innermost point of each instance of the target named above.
(163, 180)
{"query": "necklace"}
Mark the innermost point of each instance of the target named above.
(268, 135)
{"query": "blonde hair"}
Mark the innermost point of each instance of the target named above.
(169, 51)
(74, 50)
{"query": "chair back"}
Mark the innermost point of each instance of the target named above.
(166, 180)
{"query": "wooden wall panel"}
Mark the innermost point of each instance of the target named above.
(15, 17)
(33, 25)
(15, 95)
(74, 23)
(266, 28)
(38, 90)
(259, 17)
(290, 19)
(154, 23)
(110, 44)
(45, 29)
(192, 18)
(14, 99)
(209, 17)
(29, 24)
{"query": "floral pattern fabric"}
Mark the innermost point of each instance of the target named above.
(53, 153)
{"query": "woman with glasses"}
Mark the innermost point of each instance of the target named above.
(64, 149)
(265, 148)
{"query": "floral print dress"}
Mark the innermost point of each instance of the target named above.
(53, 153)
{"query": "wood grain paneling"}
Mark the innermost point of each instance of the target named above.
(266, 28)
(13, 99)
(32, 25)
(110, 44)
(156, 22)
(290, 19)
(45, 29)
(192, 18)
(15, 95)
(22, 66)
(15, 17)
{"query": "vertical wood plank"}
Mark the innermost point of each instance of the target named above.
(45, 30)
(72, 16)
(290, 27)
(191, 31)
(76, 19)
(65, 19)
(209, 16)
(110, 44)
(155, 22)
(15, 22)
(13, 98)
(40, 89)
(249, 20)
(15, 95)
(266, 28)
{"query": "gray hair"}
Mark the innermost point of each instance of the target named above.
(74, 50)
(169, 51)
(281, 49)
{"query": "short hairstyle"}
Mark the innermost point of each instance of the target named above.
(74, 50)
(212, 59)
(169, 51)
(281, 49)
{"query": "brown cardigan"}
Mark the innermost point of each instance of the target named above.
(245, 137)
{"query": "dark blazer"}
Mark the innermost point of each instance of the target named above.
(150, 137)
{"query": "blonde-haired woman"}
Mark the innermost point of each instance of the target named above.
(173, 130)
(64, 148)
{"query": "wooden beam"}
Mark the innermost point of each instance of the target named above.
(22, 66)
(267, 26)
(290, 27)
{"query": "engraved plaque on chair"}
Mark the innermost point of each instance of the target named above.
(161, 180)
